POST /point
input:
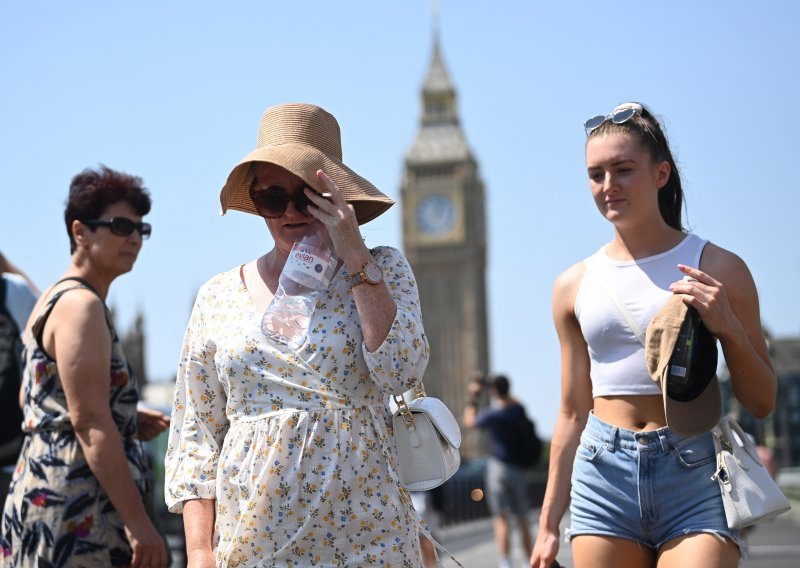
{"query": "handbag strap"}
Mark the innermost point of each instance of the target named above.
(402, 403)
(726, 428)
(591, 263)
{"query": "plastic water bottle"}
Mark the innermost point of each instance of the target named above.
(307, 273)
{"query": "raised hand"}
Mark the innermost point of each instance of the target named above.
(339, 218)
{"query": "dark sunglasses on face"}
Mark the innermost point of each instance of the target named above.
(623, 113)
(271, 202)
(120, 226)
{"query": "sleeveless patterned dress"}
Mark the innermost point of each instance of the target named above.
(56, 513)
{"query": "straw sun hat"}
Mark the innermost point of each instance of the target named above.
(302, 138)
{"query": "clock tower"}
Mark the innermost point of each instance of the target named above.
(444, 236)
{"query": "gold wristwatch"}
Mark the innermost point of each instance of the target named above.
(371, 273)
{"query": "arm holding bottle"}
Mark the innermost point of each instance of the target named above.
(388, 311)
(376, 308)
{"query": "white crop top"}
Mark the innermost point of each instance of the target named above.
(617, 358)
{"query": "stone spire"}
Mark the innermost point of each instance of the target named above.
(437, 81)
(440, 137)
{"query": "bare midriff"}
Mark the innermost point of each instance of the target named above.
(638, 413)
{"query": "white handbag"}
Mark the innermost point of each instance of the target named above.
(749, 493)
(427, 438)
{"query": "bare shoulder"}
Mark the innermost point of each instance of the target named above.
(725, 266)
(77, 308)
(566, 285)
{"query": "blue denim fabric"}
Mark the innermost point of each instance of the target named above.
(649, 487)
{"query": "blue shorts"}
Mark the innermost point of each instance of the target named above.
(649, 487)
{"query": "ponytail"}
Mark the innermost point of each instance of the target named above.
(646, 127)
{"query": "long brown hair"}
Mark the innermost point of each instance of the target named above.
(648, 130)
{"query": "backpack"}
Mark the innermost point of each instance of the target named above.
(530, 446)
(10, 381)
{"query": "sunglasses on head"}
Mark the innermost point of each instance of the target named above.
(271, 202)
(120, 226)
(622, 113)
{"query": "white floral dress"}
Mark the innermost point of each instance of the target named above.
(295, 445)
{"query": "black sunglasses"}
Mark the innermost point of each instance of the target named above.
(271, 202)
(120, 226)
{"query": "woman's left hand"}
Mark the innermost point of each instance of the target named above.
(709, 298)
(151, 423)
(339, 218)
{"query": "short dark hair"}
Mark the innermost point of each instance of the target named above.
(91, 192)
(500, 383)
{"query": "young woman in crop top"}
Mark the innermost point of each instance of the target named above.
(641, 495)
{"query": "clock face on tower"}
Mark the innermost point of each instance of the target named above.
(436, 215)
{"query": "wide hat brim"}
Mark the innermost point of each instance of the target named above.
(290, 137)
(691, 417)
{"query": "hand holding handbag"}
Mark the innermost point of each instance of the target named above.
(749, 493)
(427, 438)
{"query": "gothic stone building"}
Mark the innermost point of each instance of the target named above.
(444, 236)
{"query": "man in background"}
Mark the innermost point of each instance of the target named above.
(515, 448)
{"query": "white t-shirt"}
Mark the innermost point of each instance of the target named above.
(19, 299)
(617, 357)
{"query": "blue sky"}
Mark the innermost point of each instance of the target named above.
(173, 91)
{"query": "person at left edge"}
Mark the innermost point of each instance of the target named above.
(77, 495)
(18, 295)
(279, 455)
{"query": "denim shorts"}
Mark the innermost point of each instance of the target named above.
(649, 487)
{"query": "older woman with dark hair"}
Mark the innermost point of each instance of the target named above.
(76, 498)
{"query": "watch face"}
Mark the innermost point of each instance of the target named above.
(436, 215)
(373, 273)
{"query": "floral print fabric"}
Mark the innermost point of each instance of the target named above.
(295, 445)
(56, 512)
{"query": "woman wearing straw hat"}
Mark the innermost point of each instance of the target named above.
(281, 455)
(633, 458)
